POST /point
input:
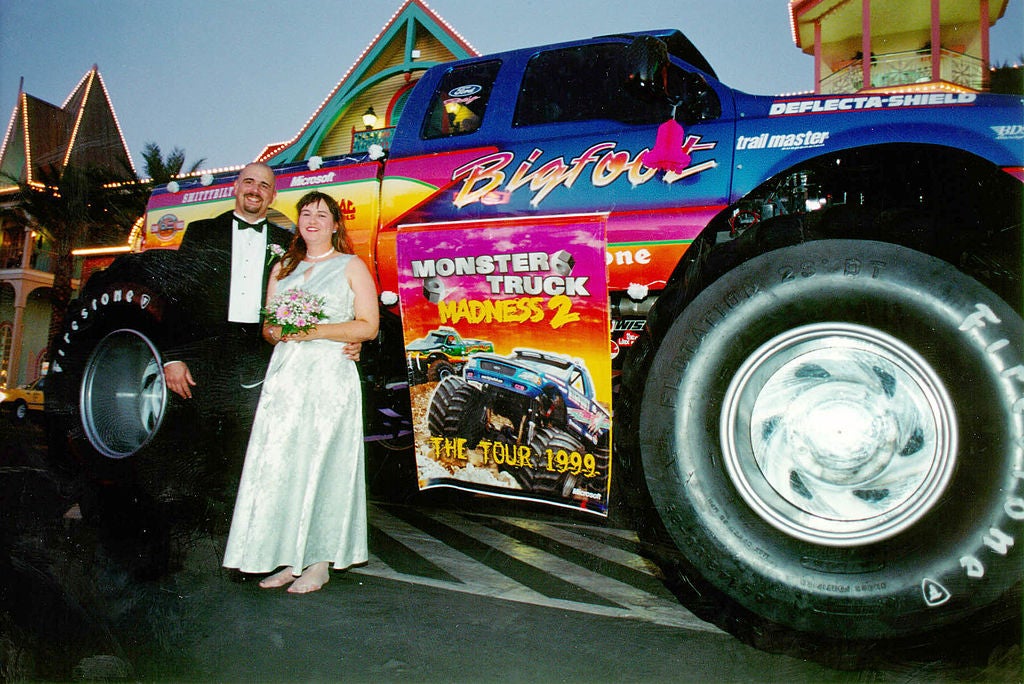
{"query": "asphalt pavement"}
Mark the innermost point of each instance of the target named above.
(458, 589)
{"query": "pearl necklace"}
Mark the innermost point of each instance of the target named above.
(320, 256)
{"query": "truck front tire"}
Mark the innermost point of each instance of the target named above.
(830, 437)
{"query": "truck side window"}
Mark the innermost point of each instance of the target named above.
(460, 100)
(588, 82)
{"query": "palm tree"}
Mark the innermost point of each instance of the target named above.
(74, 206)
(163, 170)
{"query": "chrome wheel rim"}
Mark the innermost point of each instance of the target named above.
(123, 396)
(838, 434)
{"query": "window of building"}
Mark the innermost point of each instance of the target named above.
(12, 244)
(460, 101)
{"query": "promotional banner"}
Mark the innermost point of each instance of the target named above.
(351, 181)
(507, 346)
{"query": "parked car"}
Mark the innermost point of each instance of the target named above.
(20, 400)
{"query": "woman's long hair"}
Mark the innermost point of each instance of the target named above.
(297, 249)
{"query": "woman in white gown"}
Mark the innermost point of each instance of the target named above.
(302, 498)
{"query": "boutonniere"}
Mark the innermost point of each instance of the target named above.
(274, 252)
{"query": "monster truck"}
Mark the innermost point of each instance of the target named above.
(819, 419)
(441, 353)
(547, 403)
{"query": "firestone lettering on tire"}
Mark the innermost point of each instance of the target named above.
(982, 325)
(131, 295)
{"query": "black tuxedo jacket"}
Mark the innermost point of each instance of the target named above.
(204, 263)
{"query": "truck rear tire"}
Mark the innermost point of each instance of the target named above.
(108, 413)
(830, 436)
(105, 400)
(439, 369)
(541, 480)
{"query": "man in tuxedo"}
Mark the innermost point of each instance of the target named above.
(215, 356)
(227, 262)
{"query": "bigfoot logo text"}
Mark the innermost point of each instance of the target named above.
(487, 174)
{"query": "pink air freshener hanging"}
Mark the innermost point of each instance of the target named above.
(668, 151)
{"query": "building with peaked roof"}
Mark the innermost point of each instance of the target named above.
(364, 106)
(83, 132)
(910, 46)
(42, 139)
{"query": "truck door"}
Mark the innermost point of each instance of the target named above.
(580, 136)
(557, 132)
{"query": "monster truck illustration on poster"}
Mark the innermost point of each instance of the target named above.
(538, 399)
(442, 352)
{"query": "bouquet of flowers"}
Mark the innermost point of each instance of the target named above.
(295, 311)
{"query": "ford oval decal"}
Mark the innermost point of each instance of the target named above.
(465, 91)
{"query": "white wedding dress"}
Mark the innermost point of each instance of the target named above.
(302, 496)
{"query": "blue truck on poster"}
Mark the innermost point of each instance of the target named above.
(547, 402)
(818, 418)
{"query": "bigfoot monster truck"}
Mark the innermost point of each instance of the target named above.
(819, 415)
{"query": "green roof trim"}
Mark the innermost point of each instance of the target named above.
(402, 26)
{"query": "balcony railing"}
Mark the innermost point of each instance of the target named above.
(361, 140)
(906, 68)
(11, 257)
(41, 260)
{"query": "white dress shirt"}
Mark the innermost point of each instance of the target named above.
(248, 255)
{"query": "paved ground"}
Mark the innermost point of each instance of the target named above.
(379, 624)
(475, 592)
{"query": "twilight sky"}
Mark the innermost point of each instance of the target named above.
(223, 78)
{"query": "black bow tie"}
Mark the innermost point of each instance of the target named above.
(258, 227)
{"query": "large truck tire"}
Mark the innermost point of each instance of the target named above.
(108, 413)
(830, 438)
(439, 369)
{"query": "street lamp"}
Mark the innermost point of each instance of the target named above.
(369, 119)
